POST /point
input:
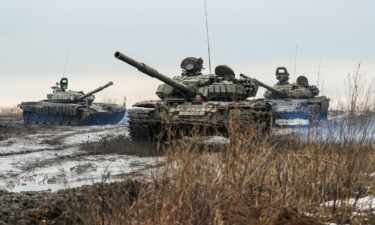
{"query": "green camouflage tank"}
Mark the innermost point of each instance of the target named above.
(63, 107)
(195, 100)
(295, 100)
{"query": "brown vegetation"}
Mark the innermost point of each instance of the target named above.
(9, 111)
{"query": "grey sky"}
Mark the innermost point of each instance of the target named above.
(252, 36)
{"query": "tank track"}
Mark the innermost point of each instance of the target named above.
(144, 128)
(141, 124)
(40, 119)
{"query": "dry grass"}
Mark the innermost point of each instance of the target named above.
(10, 111)
(276, 180)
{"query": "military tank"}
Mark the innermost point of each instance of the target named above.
(294, 100)
(64, 107)
(193, 99)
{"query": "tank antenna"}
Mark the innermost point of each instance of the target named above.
(295, 63)
(318, 74)
(67, 59)
(208, 38)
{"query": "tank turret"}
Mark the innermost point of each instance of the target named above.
(94, 91)
(295, 100)
(190, 90)
(195, 86)
(196, 100)
(299, 90)
(60, 95)
(277, 92)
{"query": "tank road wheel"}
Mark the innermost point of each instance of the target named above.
(57, 120)
(140, 131)
(65, 120)
(34, 118)
(26, 117)
(141, 124)
(30, 117)
(39, 119)
(70, 120)
(74, 120)
(49, 119)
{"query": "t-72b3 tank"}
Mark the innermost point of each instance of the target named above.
(294, 100)
(196, 100)
(64, 107)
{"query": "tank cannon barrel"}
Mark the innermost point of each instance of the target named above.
(94, 91)
(264, 85)
(154, 73)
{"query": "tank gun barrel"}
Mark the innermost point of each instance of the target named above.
(154, 73)
(94, 91)
(264, 85)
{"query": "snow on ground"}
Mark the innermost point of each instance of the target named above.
(336, 128)
(51, 159)
(360, 205)
(60, 137)
(78, 171)
(292, 122)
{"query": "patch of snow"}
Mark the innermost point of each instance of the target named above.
(79, 171)
(65, 138)
(332, 130)
(219, 140)
(28, 144)
(292, 122)
(12, 163)
(51, 159)
(362, 204)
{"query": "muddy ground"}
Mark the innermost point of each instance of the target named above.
(41, 164)
(34, 158)
(61, 207)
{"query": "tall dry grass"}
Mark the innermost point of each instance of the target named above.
(276, 180)
(9, 111)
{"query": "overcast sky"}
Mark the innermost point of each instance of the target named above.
(251, 36)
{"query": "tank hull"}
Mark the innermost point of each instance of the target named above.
(148, 123)
(71, 114)
(309, 109)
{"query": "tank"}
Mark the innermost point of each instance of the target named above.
(63, 107)
(294, 100)
(195, 100)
